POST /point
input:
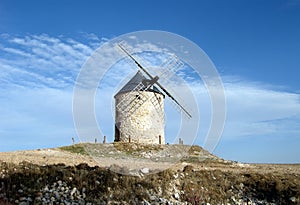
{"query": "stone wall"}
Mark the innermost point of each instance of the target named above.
(146, 123)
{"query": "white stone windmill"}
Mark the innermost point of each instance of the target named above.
(139, 104)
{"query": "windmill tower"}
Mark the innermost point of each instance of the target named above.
(140, 113)
(139, 109)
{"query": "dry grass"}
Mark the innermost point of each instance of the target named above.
(77, 149)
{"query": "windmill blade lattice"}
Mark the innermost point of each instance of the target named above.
(169, 68)
(179, 99)
(158, 107)
(129, 104)
(131, 51)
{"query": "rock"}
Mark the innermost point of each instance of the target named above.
(56, 194)
(145, 170)
(46, 189)
(176, 196)
(153, 198)
(59, 182)
(233, 199)
(38, 198)
(23, 199)
(73, 191)
(293, 199)
(177, 182)
(146, 202)
(162, 200)
(81, 202)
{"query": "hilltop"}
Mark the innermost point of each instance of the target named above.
(122, 173)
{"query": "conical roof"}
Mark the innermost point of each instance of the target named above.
(134, 81)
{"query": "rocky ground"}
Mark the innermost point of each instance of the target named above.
(141, 174)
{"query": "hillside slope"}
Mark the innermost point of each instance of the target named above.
(135, 174)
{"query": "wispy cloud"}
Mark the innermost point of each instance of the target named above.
(41, 60)
(256, 110)
(36, 86)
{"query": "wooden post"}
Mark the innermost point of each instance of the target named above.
(104, 139)
(129, 139)
(159, 139)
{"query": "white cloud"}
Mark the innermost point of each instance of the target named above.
(55, 61)
(17, 52)
(256, 110)
(37, 78)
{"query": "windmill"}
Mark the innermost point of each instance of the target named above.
(139, 104)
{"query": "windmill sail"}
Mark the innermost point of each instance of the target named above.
(170, 67)
(156, 78)
(130, 103)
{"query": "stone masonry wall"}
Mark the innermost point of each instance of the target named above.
(146, 124)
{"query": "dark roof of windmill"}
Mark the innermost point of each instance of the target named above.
(134, 81)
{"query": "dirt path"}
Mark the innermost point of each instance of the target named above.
(56, 156)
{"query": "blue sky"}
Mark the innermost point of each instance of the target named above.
(255, 46)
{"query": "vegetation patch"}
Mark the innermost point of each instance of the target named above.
(77, 149)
